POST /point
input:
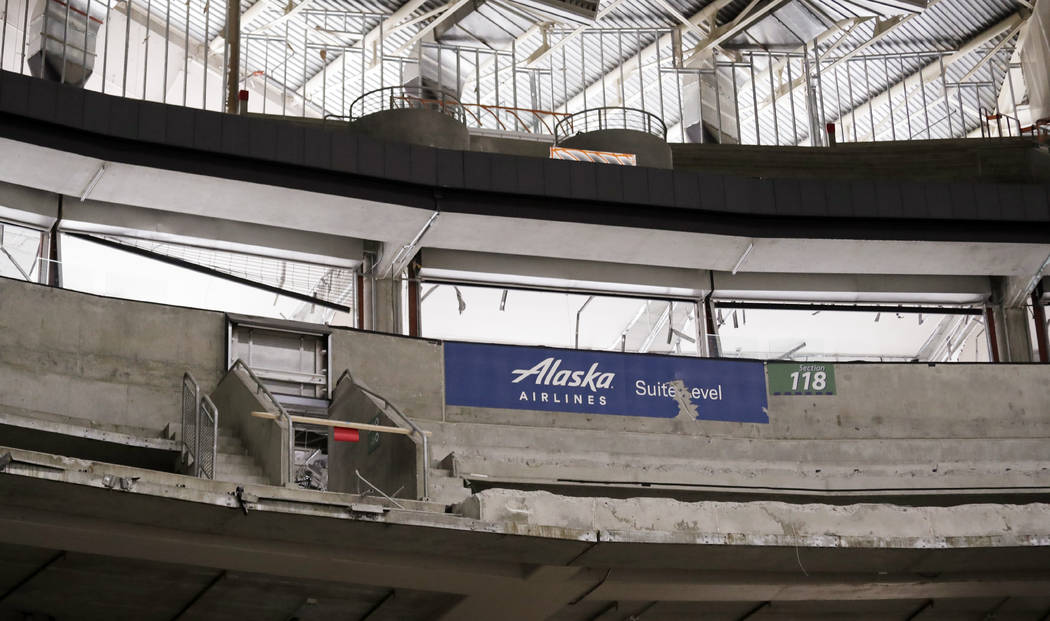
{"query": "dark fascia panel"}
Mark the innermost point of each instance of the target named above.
(274, 151)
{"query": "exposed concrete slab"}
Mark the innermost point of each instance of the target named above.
(33, 434)
(391, 462)
(910, 429)
(407, 371)
(233, 200)
(714, 552)
(102, 359)
(770, 523)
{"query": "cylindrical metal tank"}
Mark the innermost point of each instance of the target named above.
(411, 114)
(617, 130)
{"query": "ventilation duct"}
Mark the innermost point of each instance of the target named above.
(62, 43)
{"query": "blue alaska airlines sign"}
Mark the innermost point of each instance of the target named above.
(560, 380)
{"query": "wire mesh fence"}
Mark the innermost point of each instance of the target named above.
(208, 436)
(190, 409)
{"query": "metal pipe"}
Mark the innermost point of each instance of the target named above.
(865, 308)
(893, 122)
(209, 271)
(65, 42)
(167, 44)
(25, 30)
(867, 93)
(754, 100)
(853, 109)
(773, 95)
(718, 103)
(145, 61)
(185, 56)
(127, 42)
(736, 107)
(791, 100)
(822, 118)
(947, 104)
(907, 107)
(3, 40)
(578, 312)
(381, 492)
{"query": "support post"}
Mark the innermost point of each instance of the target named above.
(233, 55)
(414, 327)
(990, 331)
(1039, 313)
(54, 268)
(714, 351)
(1008, 322)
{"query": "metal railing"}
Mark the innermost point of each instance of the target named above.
(401, 420)
(315, 62)
(200, 429)
(512, 119)
(597, 119)
(996, 124)
(405, 98)
(282, 415)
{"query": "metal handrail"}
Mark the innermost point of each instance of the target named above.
(207, 409)
(281, 413)
(188, 382)
(610, 117)
(202, 405)
(1035, 130)
(401, 97)
(404, 422)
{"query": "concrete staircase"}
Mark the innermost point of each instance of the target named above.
(234, 464)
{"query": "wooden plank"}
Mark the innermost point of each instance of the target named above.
(310, 420)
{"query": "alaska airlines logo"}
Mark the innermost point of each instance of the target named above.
(549, 373)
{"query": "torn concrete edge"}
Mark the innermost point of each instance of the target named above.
(765, 523)
(636, 520)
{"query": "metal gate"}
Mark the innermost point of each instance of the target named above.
(291, 359)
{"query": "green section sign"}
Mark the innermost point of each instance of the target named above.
(373, 436)
(805, 378)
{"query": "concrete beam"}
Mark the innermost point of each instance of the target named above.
(542, 593)
(484, 267)
(196, 230)
(871, 288)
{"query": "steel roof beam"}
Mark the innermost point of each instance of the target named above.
(387, 26)
(537, 58)
(931, 72)
(706, 15)
(448, 11)
(752, 14)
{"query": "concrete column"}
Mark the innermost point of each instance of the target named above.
(387, 307)
(1039, 312)
(713, 349)
(378, 298)
(1009, 335)
(1018, 341)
